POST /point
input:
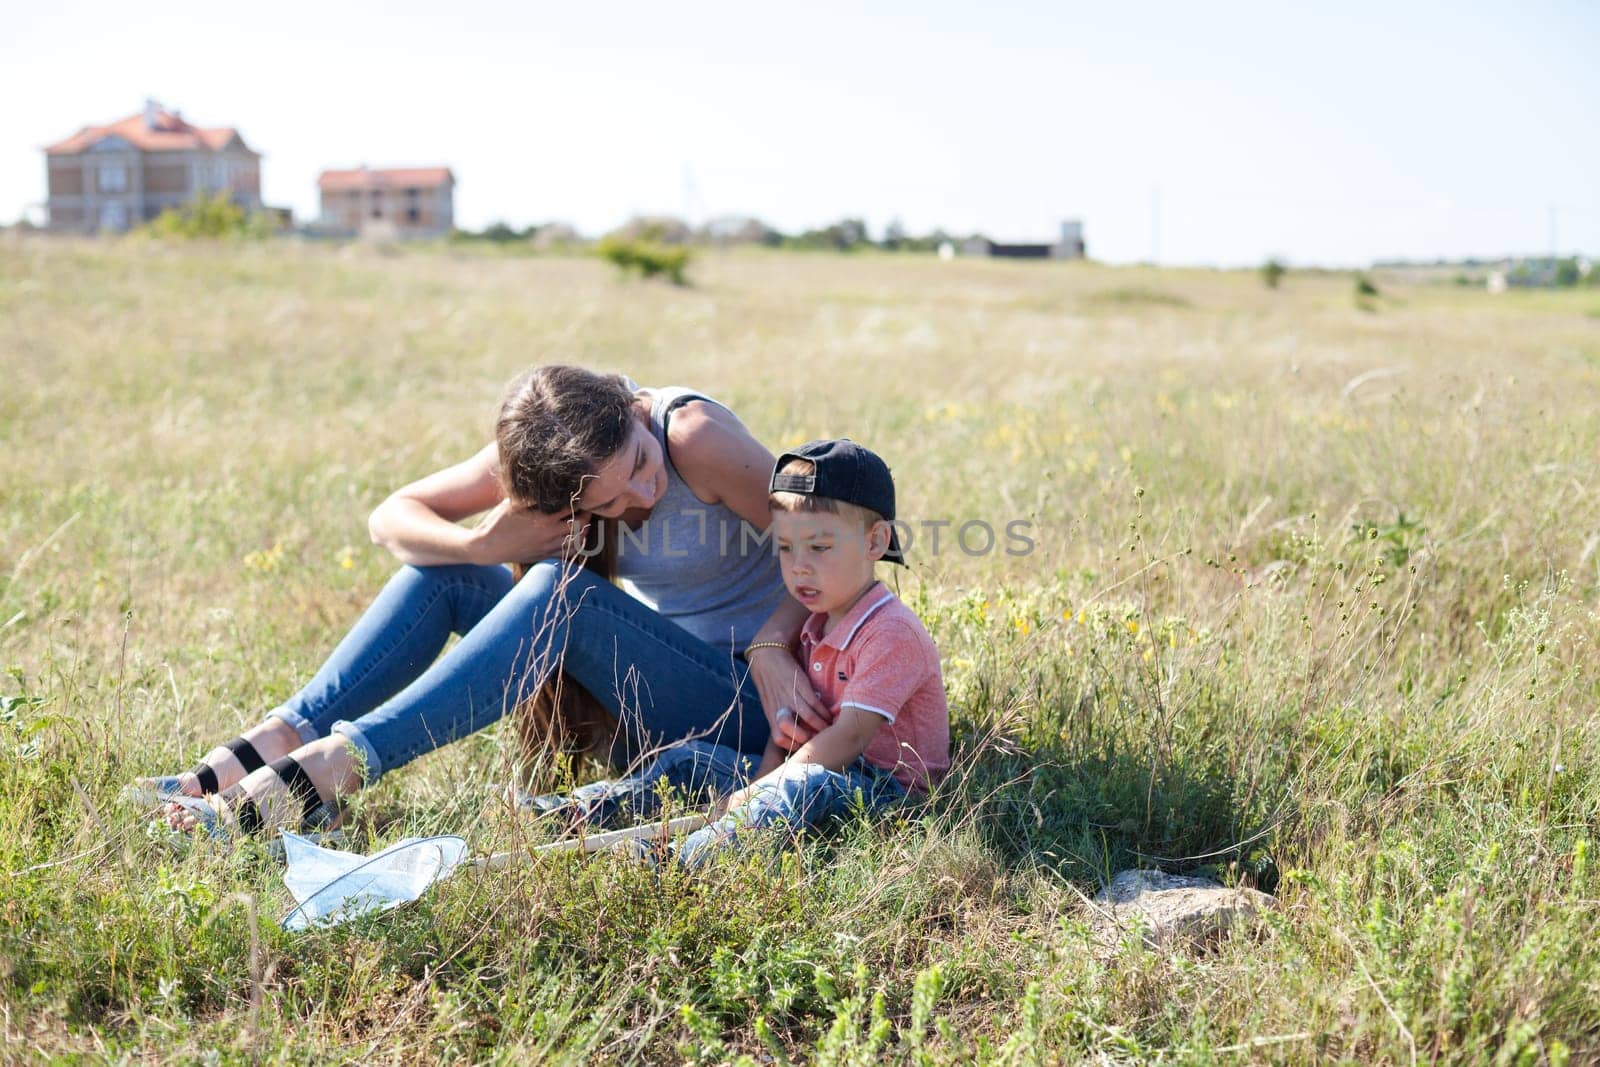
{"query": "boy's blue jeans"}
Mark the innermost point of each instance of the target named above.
(387, 688)
(799, 794)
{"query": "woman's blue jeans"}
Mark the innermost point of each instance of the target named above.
(387, 688)
(794, 796)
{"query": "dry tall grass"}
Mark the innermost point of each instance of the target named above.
(1311, 600)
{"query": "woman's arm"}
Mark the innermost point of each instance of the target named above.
(722, 463)
(418, 521)
(781, 680)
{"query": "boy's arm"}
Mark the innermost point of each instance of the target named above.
(835, 748)
(879, 690)
(841, 743)
(771, 760)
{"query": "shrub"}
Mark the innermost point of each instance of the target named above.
(503, 233)
(213, 216)
(846, 235)
(1365, 294)
(1272, 273)
(648, 258)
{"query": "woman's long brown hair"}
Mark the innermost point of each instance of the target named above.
(562, 718)
(555, 423)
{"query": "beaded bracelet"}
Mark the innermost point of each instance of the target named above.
(766, 644)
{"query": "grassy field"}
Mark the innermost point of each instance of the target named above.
(1311, 604)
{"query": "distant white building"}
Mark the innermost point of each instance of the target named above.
(1068, 246)
(1071, 245)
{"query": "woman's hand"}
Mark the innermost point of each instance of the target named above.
(510, 534)
(784, 687)
(418, 523)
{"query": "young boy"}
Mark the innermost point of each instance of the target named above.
(868, 657)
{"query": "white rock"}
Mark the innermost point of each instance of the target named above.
(1174, 910)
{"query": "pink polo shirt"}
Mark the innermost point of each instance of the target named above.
(879, 658)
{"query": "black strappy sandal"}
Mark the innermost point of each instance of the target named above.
(160, 789)
(232, 812)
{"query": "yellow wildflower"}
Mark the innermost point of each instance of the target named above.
(266, 559)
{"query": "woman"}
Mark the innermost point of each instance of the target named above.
(699, 618)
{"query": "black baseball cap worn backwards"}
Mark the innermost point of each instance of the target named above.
(844, 471)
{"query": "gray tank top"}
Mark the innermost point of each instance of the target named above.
(695, 563)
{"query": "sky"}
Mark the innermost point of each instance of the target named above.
(1179, 133)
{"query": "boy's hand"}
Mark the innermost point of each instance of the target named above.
(737, 799)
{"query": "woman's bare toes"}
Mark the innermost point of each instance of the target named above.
(180, 817)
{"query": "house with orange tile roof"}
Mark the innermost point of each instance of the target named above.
(107, 179)
(405, 201)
